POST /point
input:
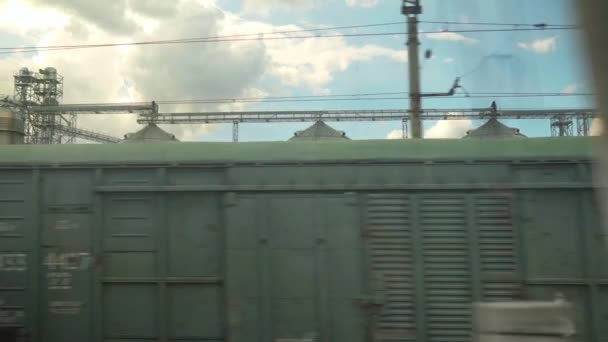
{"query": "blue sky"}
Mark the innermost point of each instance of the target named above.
(539, 61)
(499, 61)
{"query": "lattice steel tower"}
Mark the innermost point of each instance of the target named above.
(43, 88)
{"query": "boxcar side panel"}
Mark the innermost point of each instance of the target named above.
(66, 254)
(564, 254)
(136, 262)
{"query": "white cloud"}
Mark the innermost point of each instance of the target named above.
(23, 20)
(446, 129)
(108, 15)
(154, 8)
(395, 134)
(362, 3)
(596, 127)
(265, 7)
(450, 36)
(313, 63)
(540, 46)
(310, 63)
(570, 89)
(443, 129)
(185, 71)
(448, 60)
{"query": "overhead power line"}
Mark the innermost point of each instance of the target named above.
(361, 97)
(261, 37)
(537, 25)
(333, 28)
(112, 107)
(196, 39)
(346, 96)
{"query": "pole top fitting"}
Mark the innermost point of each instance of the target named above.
(411, 7)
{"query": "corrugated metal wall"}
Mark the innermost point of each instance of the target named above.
(388, 232)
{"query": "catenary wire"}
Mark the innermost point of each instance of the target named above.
(537, 26)
(362, 98)
(345, 97)
(15, 50)
(212, 37)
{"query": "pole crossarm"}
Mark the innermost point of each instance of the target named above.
(358, 115)
(87, 135)
(99, 108)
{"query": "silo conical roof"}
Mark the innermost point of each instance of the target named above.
(494, 129)
(149, 134)
(319, 131)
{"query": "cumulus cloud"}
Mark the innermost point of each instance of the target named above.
(265, 7)
(446, 129)
(395, 134)
(26, 21)
(154, 8)
(362, 3)
(108, 15)
(540, 46)
(443, 129)
(310, 63)
(451, 37)
(186, 71)
(296, 66)
(570, 89)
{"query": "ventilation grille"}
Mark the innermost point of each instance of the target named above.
(389, 241)
(446, 268)
(497, 248)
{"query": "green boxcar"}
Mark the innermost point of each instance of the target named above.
(294, 242)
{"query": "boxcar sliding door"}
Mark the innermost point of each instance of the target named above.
(161, 275)
(293, 270)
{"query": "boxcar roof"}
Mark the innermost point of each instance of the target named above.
(207, 152)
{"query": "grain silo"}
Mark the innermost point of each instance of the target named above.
(12, 126)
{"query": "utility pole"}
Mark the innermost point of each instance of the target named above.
(411, 9)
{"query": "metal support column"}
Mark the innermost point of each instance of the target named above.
(583, 125)
(404, 128)
(235, 131)
(411, 9)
